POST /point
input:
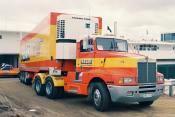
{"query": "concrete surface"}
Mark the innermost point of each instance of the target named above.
(25, 103)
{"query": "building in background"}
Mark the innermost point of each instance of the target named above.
(163, 52)
(168, 37)
(9, 47)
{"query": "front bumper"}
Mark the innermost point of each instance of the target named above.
(135, 93)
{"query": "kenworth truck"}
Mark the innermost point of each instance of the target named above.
(67, 53)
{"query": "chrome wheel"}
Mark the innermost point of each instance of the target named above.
(97, 97)
(49, 88)
(37, 86)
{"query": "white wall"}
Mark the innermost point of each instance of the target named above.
(10, 35)
(165, 51)
(9, 46)
(10, 42)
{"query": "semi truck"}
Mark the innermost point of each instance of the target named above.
(68, 53)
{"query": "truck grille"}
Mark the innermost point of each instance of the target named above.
(147, 72)
(147, 88)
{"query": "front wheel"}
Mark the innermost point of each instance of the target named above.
(100, 96)
(146, 103)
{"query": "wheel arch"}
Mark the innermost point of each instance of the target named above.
(97, 79)
(57, 81)
(41, 76)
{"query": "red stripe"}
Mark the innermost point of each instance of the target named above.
(54, 16)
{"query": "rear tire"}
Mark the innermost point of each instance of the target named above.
(39, 87)
(20, 77)
(146, 103)
(53, 92)
(100, 96)
(24, 78)
(27, 79)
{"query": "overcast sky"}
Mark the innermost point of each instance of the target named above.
(134, 17)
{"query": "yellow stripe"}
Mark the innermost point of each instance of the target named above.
(109, 62)
(47, 46)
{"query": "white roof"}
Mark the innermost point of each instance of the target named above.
(105, 36)
(151, 42)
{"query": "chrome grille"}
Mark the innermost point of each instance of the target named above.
(146, 72)
(147, 88)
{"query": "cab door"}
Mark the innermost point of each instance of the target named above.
(84, 63)
(85, 57)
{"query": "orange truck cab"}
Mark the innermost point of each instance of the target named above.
(105, 71)
(99, 67)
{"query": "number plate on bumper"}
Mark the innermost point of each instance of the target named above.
(147, 95)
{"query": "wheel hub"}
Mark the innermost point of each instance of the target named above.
(48, 88)
(38, 86)
(97, 97)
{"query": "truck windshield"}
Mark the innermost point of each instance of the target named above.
(112, 44)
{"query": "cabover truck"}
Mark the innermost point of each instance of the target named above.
(67, 53)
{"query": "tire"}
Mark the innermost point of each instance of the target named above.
(23, 78)
(27, 79)
(53, 92)
(39, 87)
(146, 103)
(100, 96)
(20, 77)
(90, 96)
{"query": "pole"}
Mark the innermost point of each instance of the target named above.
(115, 28)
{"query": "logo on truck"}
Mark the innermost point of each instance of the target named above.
(87, 62)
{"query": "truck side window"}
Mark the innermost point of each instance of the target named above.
(81, 46)
(88, 47)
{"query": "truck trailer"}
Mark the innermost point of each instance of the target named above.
(68, 53)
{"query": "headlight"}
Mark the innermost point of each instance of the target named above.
(126, 81)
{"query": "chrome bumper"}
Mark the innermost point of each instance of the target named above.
(135, 93)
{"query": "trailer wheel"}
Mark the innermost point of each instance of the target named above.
(20, 77)
(53, 92)
(100, 96)
(39, 87)
(27, 79)
(146, 103)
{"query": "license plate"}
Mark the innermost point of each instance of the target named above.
(147, 95)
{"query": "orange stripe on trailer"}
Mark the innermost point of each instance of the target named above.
(46, 63)
(66, 66)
